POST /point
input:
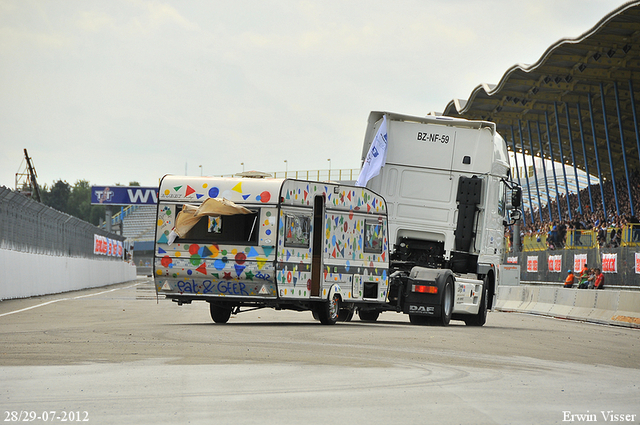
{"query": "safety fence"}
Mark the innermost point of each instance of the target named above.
(620, 266)
(31, 227)
(612, 237)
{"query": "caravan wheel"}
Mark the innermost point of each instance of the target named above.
(328, 311)
(219, 314)
(368, 315)
(345, 315)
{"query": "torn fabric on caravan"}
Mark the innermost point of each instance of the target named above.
(211, 207)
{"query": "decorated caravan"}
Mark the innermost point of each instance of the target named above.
(246, 243)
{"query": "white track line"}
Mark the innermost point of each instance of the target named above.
(67, 299)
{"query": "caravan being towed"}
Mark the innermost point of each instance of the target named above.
(280, 243)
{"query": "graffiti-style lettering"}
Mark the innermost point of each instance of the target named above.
(185, 286)
(262, 276)
(207, 287)
(191, 287)
(232, 288)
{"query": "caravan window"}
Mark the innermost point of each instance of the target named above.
(373, 237)
(239, 229)
(297, 230)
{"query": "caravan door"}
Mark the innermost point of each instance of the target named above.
(317, 247)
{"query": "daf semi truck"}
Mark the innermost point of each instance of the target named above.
(446, 185)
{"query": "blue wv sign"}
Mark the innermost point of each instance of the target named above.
(124, 195)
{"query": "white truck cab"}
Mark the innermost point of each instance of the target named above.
(445, 184)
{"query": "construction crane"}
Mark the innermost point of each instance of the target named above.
(30, 179)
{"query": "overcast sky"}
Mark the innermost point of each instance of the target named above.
(130, 90)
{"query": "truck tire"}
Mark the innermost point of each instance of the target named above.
(480, 318)
(368, 315)
(328, 311)
(219, 314)
(447, 304)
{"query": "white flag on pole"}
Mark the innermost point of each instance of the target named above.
(376, 157)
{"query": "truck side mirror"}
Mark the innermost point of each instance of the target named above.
(513, 217)
(516, 197)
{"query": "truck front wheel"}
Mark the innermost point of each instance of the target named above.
(480, 318)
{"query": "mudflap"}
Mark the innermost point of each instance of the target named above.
(423, 291)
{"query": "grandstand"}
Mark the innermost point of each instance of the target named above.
(575, 106)
(137, 224)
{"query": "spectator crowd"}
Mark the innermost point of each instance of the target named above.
(607, 225)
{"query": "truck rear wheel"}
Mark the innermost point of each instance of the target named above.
(447, 303)
(219, 314)
(328, 311)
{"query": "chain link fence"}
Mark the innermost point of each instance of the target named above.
(31, 227)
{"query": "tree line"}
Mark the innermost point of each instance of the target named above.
(75, 200)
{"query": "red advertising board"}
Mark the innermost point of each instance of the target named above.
(532, 264)
(609, 263)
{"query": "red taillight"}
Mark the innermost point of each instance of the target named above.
(424, 289)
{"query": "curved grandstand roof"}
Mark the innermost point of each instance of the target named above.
(562, 96)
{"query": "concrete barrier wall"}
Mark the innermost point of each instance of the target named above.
(26, 274)
(611, 307)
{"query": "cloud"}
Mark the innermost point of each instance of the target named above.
(133, 89)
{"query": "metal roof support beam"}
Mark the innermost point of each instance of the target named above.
(515, 157)
(584, 156)
(526, 172)
(595, 150)
(573, 157)
(624, 153)
(555, 179)
(544, 171)
(564, 170)
(535, 172)
(606, 134)
(635, 116)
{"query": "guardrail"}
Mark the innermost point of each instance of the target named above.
(611, 307)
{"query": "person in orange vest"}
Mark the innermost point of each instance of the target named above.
(568, 282)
